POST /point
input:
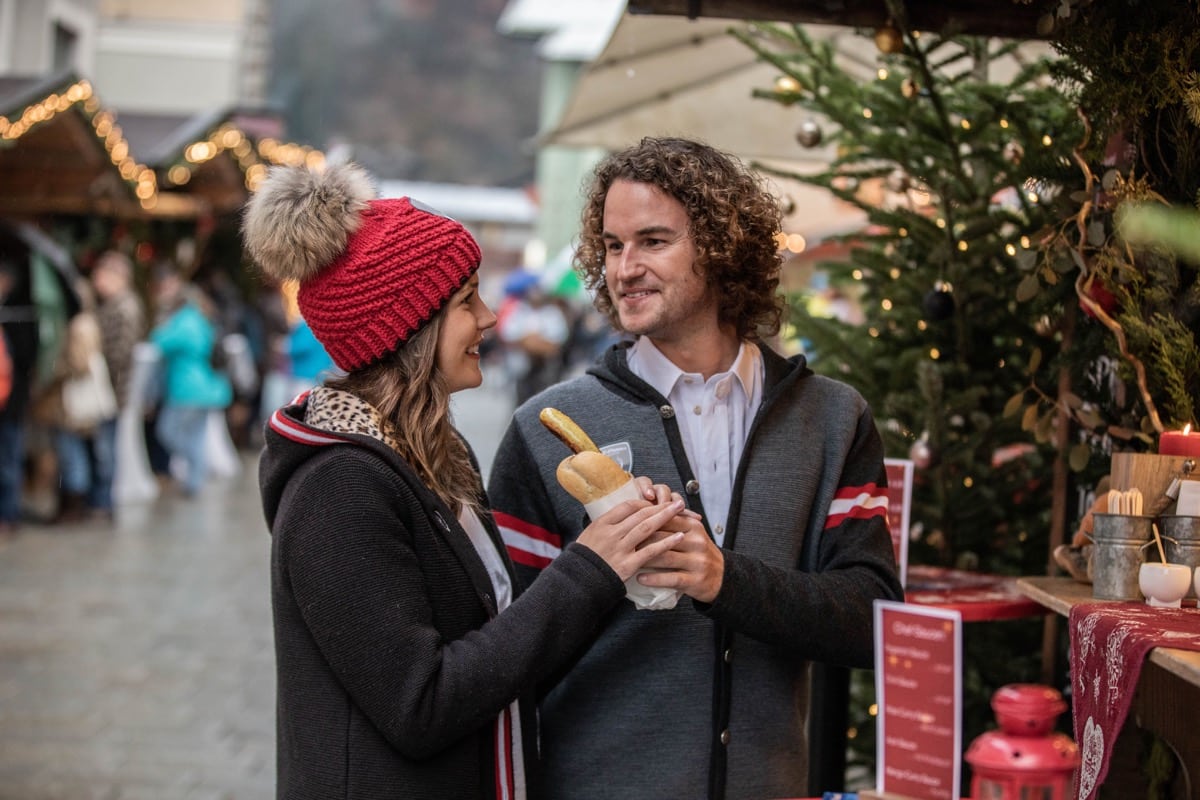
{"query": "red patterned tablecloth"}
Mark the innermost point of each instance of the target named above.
(1109, 644)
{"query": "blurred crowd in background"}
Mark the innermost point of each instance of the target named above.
(122, 383)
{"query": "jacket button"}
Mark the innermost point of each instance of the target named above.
(729, 655)
(725, 736)
(693, 487)
(666, 411)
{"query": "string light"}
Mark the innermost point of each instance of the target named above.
(103, 125)
(231, 140)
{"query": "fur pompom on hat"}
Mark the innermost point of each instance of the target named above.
(371, 272)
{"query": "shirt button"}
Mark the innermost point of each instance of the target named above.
(693, 487)
(725, 736)
(720, 529)
(697, 410)
(666, 411)
(729, 655)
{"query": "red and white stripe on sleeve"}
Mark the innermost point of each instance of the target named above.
(527, 543)
(857, 502)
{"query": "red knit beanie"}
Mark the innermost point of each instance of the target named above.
(371, 272)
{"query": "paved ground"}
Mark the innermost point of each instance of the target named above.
(136, 660)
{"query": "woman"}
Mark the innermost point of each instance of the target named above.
(405, 662)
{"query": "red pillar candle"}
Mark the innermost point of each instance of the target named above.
(1180, 443)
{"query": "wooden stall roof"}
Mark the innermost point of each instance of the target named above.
(216, 157)
(1015, 19)
(62, 152)
(53, 158)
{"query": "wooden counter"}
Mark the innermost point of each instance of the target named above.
(1059, 594)
(1168, 689)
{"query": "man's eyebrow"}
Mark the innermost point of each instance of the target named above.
(650, 230)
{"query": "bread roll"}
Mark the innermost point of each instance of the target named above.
(590, 475)
(565, 429)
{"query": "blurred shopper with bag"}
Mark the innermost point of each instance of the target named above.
(77, 405)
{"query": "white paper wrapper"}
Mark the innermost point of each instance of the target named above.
(644, 598)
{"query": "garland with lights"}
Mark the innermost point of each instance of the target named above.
(81, 97)
(1139, 159)
(253, 158)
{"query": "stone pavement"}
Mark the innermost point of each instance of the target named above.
(136, 660)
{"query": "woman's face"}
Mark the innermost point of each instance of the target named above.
(465, 318)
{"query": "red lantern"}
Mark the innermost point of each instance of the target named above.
(1024, 760)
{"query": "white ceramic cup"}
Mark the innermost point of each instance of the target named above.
(1164, 585)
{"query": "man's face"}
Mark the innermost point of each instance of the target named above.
(650, 265)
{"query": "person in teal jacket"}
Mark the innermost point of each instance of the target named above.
(191, 387)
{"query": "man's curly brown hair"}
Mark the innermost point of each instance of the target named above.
(733, 221)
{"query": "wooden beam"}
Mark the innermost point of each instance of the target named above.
(1001, 18)
(169, 206)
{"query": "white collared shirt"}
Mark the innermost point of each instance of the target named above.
(714, 417)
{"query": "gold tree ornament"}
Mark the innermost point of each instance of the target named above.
(909, 88)
(786, 84)
(888, 39)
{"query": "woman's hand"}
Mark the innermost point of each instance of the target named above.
(625, 535)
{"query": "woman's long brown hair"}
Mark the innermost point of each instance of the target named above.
(414, 405)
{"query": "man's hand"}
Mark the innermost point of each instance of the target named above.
(694, 566)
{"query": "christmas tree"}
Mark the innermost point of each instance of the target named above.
(957, 172)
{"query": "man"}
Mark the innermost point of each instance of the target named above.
(709, 698)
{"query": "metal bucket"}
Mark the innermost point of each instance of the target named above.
(1181, 541)
(1119, 551)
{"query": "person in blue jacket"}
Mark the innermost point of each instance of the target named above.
(308, 361)
(191, 387)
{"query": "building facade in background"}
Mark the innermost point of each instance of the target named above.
(38, 37)
(182, 56)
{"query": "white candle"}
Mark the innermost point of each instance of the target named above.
(1189, 499)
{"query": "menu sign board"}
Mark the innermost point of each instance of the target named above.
(899, 495)
(918, 686)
